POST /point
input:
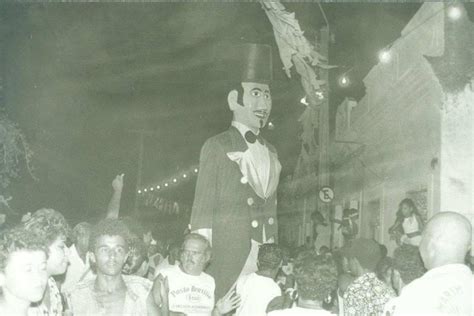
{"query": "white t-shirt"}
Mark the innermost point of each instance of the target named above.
(255, 292)
(190, 294)
(446, 290)
(298, 311)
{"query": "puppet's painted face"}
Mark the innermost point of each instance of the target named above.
(256, 107)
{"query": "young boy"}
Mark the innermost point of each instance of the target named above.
(23, 275)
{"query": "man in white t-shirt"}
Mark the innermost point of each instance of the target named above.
(187, 289)
(447, 287)
(257, 289)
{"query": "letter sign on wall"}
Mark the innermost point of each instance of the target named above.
(326, 194)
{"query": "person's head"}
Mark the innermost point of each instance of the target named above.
(153, 249)
(109, 246)
(384, 270)
(137, 257)
(445, 240)
(407, 266)
(363, 256)
(344, 260)
(269, 258)
(80, 236)
(195, 254)
(324, 250)
(51, 227)
(316, 277)
(406, 208)
(23, 275)
(341, 261)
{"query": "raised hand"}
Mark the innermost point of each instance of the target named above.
(117, 183)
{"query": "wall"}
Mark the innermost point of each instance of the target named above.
(395, 131)
(457, 148)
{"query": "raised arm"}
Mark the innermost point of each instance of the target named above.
(113, 208)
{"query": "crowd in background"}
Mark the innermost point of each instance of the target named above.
(116, 267)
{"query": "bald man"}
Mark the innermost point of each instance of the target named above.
(447, 287)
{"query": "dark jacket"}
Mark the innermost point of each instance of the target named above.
(227, 204)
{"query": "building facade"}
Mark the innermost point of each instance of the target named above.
(411, 135)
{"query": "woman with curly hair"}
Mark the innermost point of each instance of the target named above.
(408, 224)
(316, 279)
(23, 274)
(51, 227)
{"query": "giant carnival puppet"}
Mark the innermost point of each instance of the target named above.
(235, 200)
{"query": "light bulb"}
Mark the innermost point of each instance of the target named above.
(304, 101)
(454, 12)
(385, 56)
(344, 81)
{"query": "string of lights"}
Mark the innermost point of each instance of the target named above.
(171, 181)
(454, 12)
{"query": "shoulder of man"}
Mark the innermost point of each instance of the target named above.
(81, 292)
(83, 285)
(137, 284)
(241, 281)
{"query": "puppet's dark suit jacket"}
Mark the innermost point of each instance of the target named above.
(230, 200)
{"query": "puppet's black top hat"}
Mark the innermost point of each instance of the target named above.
(244, 63)
(256, 63)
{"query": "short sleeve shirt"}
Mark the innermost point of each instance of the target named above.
(256, 292)
(446, 290)
(189, 294)
(366, 295)
(83, 300)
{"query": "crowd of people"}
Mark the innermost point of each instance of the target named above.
(115, 267)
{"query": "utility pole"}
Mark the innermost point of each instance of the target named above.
(323, 164)
(141, 149)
